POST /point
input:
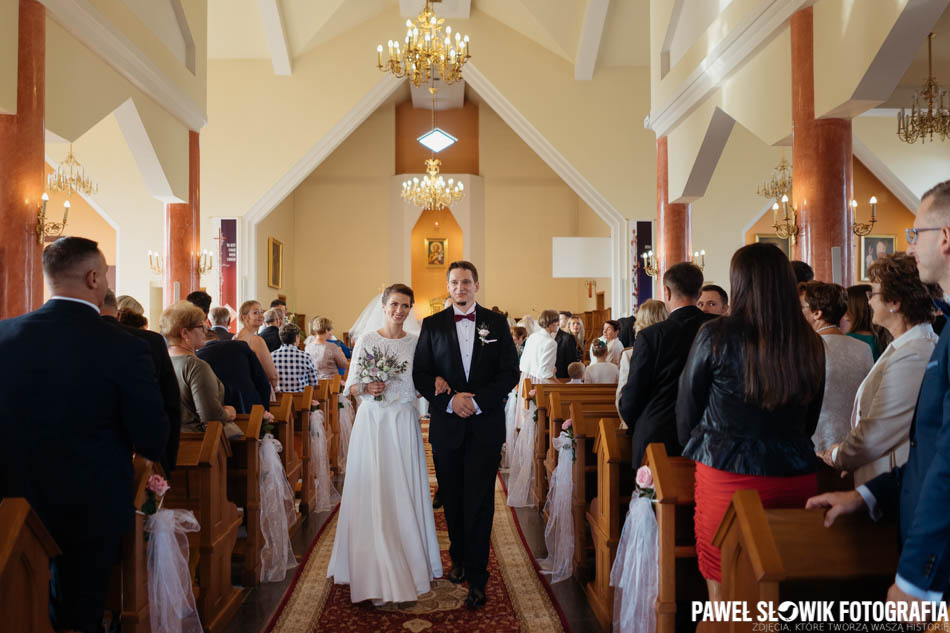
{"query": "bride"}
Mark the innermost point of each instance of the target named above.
(386, 547)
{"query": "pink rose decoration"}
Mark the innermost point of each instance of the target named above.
(568, 423)
(644, 477)
(531, 393)
(158, 485)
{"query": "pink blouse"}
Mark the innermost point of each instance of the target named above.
(327, 358)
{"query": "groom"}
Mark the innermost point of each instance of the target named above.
(471, 348)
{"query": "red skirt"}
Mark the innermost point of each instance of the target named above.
(714, 490)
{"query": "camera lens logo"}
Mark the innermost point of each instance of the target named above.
(787, 611)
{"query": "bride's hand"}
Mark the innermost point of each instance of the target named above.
(375, 388)
(441, 386)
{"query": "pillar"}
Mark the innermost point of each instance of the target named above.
(673, 221)
(22, 169)
(821, 168)
(182, 237)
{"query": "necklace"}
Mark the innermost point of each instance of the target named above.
(827, 327)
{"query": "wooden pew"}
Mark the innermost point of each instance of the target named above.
(244, 489)
(25, 551)
(284, 412)
(333, 435)
(199, 484)
(774, 555)
(305, 489)
(606, 515)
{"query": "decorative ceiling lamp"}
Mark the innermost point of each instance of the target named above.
(432, 191)
(426, 49)
(934, 118)
(780, 184)
(70, 176)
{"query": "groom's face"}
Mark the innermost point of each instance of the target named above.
(462, 287)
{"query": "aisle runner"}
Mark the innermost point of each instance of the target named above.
(518, 599)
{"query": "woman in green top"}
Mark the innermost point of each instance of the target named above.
(857, 321)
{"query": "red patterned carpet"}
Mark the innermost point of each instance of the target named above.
(519, 599)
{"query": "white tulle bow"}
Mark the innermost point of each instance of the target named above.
(171, 600)
(559, 532)
(635, 574)
(327, 495)
(277, 513)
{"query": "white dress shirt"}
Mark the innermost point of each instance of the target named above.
(465, 328)
(75, 300)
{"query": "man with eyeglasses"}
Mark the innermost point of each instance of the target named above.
(919, 491)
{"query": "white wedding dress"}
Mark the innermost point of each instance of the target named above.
(386, 547)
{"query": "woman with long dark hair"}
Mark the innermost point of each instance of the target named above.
(857, 322)
(749, 399)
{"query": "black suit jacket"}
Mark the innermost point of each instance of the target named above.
(79, 395)
(648, 400)
(167, 383)
(222, 333)
(627, 333)
(492, 375)
(271, 336)
(237, 366)
(567, 352)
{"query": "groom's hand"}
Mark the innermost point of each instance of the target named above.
(463, 404)
(441, 386)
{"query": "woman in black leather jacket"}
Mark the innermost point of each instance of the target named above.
(749, 399)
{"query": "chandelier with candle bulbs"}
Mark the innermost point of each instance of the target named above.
(70, 176)
(426, 49)
(432, 191)
(932, 116)
(780, 184)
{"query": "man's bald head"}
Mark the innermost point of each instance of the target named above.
(75, 267)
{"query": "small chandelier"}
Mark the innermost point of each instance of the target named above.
(426, 49)
(934, 118)
(780, 184)
(787, 227)
(70, 176)
(649, 265)
(432, 192)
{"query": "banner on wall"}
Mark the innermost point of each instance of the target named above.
(227, 255)
(641, 242)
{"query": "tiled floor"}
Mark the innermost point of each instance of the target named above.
(261, 601)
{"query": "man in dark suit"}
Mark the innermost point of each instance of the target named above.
(238, 368)
(567, 350)
(471, 348)
(918, 491)
(273, 319)
(167, 381)
(201, 299)
(220, 320)
(648, 400)
(627, 333)
(79, 396)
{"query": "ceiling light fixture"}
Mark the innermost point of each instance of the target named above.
(426, 50)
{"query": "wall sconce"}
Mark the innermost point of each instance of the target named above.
(864, 228)
(205, 262)
(649, 265)
(44, 228)
(699, 259)
(786, 228)
(156, 263)
(591, 284)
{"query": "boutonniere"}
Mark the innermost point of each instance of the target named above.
(483, 333)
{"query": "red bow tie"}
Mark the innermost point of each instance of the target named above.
(470, 316)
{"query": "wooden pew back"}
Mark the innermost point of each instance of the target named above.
(25, 551)
(284, 416)
(244, 490)
(306, 489)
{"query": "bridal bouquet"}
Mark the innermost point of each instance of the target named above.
(376, 365)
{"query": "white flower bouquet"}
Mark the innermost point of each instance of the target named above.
(378, 365)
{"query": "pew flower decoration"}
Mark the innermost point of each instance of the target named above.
(483, 333)
(267, 424)
(534, 400)
(568, 429)
(376, 365)
(645, 483)
(155, 489)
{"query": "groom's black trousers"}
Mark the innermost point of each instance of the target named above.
(466, 476)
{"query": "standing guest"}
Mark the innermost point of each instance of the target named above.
(575, 371)
(857, 322)
(220, 320)
(576, 327)
(79, 396)
(240, 371)
(202, 394)
(600, 371)
(281, 306)
(884, 406)
(567, 349)
(273, 319)
(847, 361)
(540, 351)
(125, 302)
(628, 331)
(251, 318)
(803, 272)
(201, 299)
(518, 335)
(713, 300)
(749, 399)
(164, 372)
(563, 316)
(610, 338)
(648, 399)
(328, 359)
(650, 312)
(295, 368)
(131, 319)
(918, 491)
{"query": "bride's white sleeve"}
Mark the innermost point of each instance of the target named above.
(353, 376)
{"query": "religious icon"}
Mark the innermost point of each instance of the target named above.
(435, 249)
(874, 247)
(771, 238)
(275, 262)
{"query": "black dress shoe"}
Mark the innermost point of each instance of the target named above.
(456, 575)
(476, 598)
(436, 500)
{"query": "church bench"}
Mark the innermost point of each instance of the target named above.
(788, 554)
(284, 414)
(606, 514)
(305, 489)
(25, 552)
(244, 490)
(199, 483)
(325, 391)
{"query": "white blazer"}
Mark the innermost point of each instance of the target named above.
(539, 357)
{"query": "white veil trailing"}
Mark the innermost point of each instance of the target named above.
(372, 319)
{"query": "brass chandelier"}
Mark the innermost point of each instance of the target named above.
(426, 49)
(934, 118)
(432, 192)
(780, 184)
(70, 176)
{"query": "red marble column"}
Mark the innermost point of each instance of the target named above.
(182, 225)
(22, 165)
(821, 166)
(673, 221)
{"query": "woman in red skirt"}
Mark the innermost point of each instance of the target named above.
(749, 399)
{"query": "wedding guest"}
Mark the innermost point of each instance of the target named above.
(749, 398)
(126, 302)
(847, 361)
(220, 320)
(239, 370)
(713, 300)
(884, 406)
(567, 349)
(201, 299)
(518, 335)
(540, 351)
(803, 272)
(576, 327)
(650, 312)
(202, 394)
(529, 324)
(131, 319)
(295, 369)
(600, 371)
(575, 371)
(273, 319)
(281, 306)
(610, 338)
(251, 318)
(628, 330)
(562, 318)
(327, 357)
(857, 322)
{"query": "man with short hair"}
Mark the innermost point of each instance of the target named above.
(713, 300)
(567, 350)
(803, 272)
(295, 368)
(201, 299)
(220, 320)
(78, 397)
(280, 304)
(648, 400)
(273, 319)
(918, 491)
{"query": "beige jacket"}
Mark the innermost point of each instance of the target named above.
(884, 407)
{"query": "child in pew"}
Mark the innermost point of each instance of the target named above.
(575, 371)
(600, 371)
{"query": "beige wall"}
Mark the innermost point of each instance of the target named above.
(280, 226)
(9, 20)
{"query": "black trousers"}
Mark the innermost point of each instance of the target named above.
(79, 581)
(466, 477)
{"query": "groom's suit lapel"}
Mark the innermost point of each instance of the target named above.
(455, 350)
(477, 344)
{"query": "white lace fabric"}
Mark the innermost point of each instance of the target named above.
(171, 599)
(635, 573)
(399, 387)
(559, 531)
(278, 511)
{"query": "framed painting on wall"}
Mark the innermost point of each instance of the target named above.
(873, 247)
(772, 238)
(435, 250)
(275, 263)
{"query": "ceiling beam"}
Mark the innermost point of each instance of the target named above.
(273, 20)
(588, 45)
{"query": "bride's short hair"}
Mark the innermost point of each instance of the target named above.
(402, 289)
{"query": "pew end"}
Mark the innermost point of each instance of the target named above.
(244, 490)
(26, 548)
